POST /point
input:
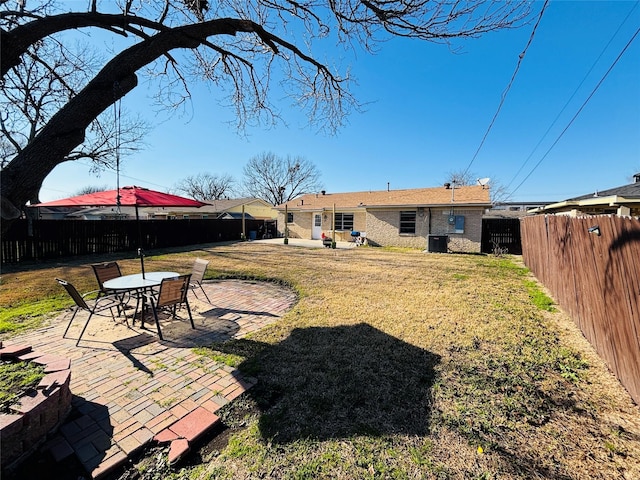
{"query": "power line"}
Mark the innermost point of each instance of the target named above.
(572, 96)
(579, 110)
(504, 94)
(146, 182)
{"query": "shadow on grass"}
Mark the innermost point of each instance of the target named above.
(337, 382)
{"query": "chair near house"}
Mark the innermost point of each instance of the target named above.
(94, 307)
(197, 275)
(173, 292)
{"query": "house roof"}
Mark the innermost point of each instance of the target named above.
(224, 204)
(628, 191)
(419, 197)
(235, 215)
(213, 208)
(612, 197)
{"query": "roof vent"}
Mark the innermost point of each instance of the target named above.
(323, 192)
(636, 178)
(447, 185)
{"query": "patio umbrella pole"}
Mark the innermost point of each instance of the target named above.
(141, 254)
(140, 250)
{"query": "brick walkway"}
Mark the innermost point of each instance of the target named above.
(128, 387)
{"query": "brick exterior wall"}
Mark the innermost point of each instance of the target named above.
(300, 228)
(303, 223)
(470, 240)
(382, 227)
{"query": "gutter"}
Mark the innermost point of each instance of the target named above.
(382, 207)
(431, 205)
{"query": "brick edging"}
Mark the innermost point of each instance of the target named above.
(39, 411)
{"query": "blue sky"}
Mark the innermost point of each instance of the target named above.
(427, 112)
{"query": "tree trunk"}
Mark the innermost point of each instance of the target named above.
(22, 178)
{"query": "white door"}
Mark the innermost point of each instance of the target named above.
(316, 231)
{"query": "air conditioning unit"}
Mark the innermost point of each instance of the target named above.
(438, 243)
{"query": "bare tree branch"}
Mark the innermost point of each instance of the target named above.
(237, 44)
(206, 186)
(42, 84)
(278, 180)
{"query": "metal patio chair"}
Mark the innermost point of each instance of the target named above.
(108, 271)
(197, 275)
(104, 272)
(94, 307)
(173, 292)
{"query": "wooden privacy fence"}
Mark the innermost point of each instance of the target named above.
(29, 240)
(596, 279)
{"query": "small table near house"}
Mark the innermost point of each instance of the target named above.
(136, 283)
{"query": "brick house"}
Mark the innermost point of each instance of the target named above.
(403, 218)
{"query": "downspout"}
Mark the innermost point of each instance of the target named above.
(429, 231)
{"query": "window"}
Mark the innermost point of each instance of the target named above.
(408, 222)
(317, 220)
(289, 217)
(344, 221)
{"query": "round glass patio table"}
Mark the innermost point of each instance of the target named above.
(135, 283)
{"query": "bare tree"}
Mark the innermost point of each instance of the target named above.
(497, 191)
(237, 46)
(91, 189)
(461, 178)
(33, 91)
(278, 180)
(206, 186)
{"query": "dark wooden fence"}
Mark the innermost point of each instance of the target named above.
(503, 233)
(596, 279)
(32, 240)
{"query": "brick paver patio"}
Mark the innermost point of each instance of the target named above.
(128, 387)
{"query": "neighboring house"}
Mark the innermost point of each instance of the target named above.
(403, 218)
(83, 213)
(624, 201)
(254, 208)
(513, 209)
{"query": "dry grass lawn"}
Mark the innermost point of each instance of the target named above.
(401, 364)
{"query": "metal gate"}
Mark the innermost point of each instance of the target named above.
(503, 233)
